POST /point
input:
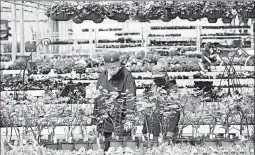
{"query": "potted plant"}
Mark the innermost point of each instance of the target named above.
(227, 113)
(76, 19)
(141, 11)
(61, 11)
(119, 11)
(228, 13)
(169, 11)
(190, 10)
(91, 11)
(156, 11)
(245, 9)
(213, 11)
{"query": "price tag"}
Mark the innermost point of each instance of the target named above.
(159, 139)
(98, 142)
(54, 139)
(70, 139)
(151, 136)
(143, 138)
(133, 137)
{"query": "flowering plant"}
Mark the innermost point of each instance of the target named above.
(91, 10)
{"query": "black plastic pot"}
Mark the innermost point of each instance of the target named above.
(116, 143)
(212, 20)
(226, 20)
(121, 17)
(68, 146)
(80, 144)
(210, 142)
(94, 146)
(133, 144)
(227, 142)
(53, 146)
(61, 16)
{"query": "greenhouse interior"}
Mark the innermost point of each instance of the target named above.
(127, 77)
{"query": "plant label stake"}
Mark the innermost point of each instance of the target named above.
(151, 136)
(98, 142)
(143, 138)
(54, 139)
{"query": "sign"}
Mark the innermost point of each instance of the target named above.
(4, 30)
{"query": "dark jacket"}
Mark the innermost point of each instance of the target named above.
(120, 82)
(154, 122)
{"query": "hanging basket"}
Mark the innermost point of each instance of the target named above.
(226, 20)
(215, 14)
(93, 16)
(172, 15)
(248, 14)
(192, 19)
(61, 16)
(153, 17)
(183, 16)
(166, 18)
(121, 17)
(100, 20)
(212, 20)
(77, 20)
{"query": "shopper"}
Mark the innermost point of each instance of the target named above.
(162, 80)
(209, 55)
(115, 78)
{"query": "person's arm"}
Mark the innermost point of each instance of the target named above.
(130, 85)
(207, 59)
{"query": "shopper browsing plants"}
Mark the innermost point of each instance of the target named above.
(115, 78)
(210, 55)
(165, 117)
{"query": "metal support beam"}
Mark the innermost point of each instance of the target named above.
(37, 30)
(14, 33)
(22, 36)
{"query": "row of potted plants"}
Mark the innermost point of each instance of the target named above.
(164, 35)
(225, 34)
(126, 34)
(235, 109)
(111, 29)
(145, 11)
(120, 46)
(163, 149)
(119, 40)
(225, 27)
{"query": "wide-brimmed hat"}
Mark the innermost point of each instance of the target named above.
(111, 59)
(158, 71)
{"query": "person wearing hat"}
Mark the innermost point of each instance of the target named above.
(162, 80)
(209, 55)
(115, 78)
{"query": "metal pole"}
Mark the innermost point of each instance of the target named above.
(14, 33)
(22, 37)
(37, 31)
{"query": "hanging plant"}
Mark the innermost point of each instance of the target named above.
(195, 10)
(100, 20)
(156, 11)
(214, 9)
(246, 9)
(119, 11)
(169, 11)
(141, 11)
(61, 11)
(228, 13)
(91, 10)
(182, 10)
(76, 19)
